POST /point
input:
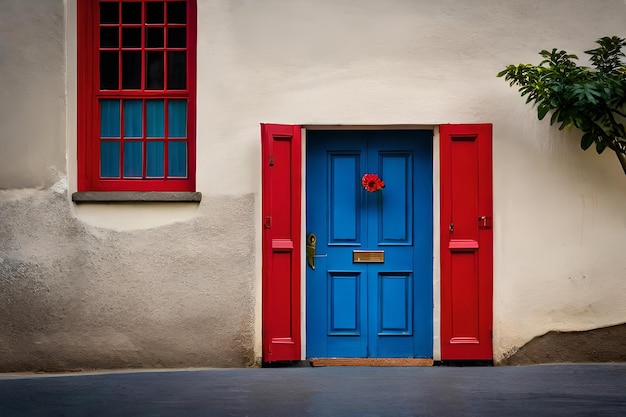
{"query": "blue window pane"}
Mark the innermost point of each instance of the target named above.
(132, 159)
(177, 159)
(177, 118)
(109, 118)
(155, 118)
(109, 159)
(132, 118)
(154, 159)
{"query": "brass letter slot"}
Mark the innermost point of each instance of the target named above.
(368, 256)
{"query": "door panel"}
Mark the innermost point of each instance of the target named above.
(395, 304)
(344, 302)
(465, 297)
(281, 150)
(396, 221)
(466, 242)
(343, 199)
(370, 309)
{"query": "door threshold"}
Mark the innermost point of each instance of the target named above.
(371, 361)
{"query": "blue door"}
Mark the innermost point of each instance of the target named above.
(370, 291)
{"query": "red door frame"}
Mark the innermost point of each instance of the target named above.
(466, 250)
(282, 255)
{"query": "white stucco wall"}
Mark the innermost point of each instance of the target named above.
(559, 222)
(32, 94)
(559, 218)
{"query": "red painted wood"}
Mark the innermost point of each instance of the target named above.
(89, 93)
(466, 242)
(281, 208)
(85, 23)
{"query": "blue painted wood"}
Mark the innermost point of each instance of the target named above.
(370, 310)
(343, 305)
(395, 223)
(343, 199)
(395, 304)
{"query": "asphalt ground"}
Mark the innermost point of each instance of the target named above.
(541, 390)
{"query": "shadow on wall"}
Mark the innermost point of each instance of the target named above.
(605, 344)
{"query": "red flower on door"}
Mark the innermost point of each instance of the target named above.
(372, 182)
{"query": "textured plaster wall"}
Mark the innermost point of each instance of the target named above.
(74, 296)
(32, 93)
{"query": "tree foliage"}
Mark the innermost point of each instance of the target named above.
(593, 99)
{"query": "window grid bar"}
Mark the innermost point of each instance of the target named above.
(165, 136)
(142, 77)
(139, 94)
(122, 138)
(119, 70)
(144, 136)
(166, 20)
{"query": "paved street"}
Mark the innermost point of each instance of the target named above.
(543, 390)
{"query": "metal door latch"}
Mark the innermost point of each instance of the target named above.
(484, 222)
(311, 241)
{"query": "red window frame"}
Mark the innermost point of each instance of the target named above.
(89, 94)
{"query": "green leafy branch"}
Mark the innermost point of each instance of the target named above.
(591, 99)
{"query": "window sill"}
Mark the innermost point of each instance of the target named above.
(136, 197)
